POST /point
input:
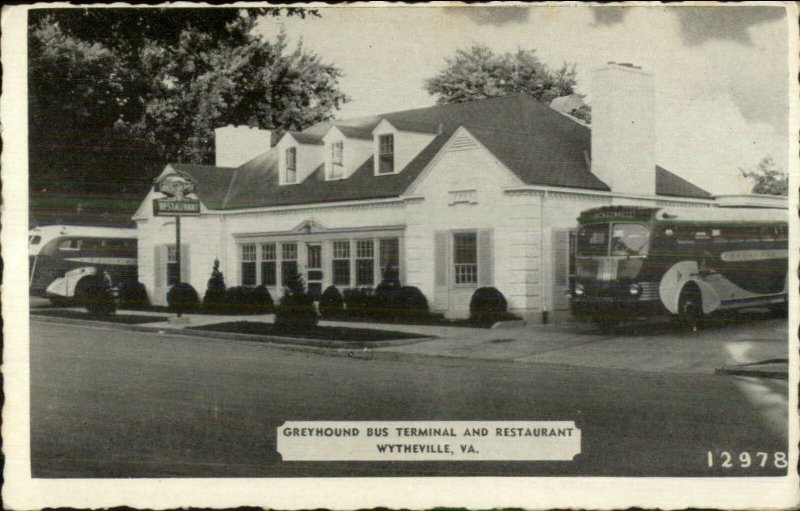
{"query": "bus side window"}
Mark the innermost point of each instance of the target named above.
(73, 244)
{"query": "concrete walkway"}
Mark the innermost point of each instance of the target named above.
(656, 347)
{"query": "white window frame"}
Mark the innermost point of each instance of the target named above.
(460, 269)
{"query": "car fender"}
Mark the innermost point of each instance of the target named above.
(674, 280)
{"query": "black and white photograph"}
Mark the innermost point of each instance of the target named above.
(342, 256)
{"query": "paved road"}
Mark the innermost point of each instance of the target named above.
(106, 403)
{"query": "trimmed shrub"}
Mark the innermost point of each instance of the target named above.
(360, 302)
(488, 305)
(296, 311)
(410, 303)
(133, 295)
(331, 303)
(97, 295)
(182, 298)
(215, 297)
(264, 304)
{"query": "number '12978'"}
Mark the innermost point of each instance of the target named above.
(726, 459)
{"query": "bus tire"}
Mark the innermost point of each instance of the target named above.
(690, 306)
(81, 296)
(58, 301)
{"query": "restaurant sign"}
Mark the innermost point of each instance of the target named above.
(172, 207)
(176, 186)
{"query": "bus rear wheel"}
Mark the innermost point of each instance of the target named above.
(690, 307)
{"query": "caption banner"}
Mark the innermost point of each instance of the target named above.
(429, 440)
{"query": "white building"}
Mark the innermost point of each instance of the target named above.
(460, 196)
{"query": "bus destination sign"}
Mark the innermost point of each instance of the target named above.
(172, 207)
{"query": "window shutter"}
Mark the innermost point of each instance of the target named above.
(441, 299)
(440, 257)
(560, 269)
(159, 269)
(185, 270)
(485, 258)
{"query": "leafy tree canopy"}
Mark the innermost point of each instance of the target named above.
(767, 178)
(114, 94)
(476, 72)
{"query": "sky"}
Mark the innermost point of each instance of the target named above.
(721, 72)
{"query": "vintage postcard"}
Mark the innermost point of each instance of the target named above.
(407, 256)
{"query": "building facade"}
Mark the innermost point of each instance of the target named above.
(454, 197)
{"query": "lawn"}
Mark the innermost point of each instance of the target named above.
(126, 319)
(326, 333)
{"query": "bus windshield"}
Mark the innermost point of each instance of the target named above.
(617, 239)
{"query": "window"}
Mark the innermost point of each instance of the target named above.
(291, 165)
(390, 258)
(269, 274)
(35, 240)
(73, 244)
(386, 154)
(337, 159)
(341, 263)
(465, 257)
(288, 262)
(172, 266)
(248, 265)
(365, 263)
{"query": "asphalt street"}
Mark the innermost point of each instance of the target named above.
(110, 403)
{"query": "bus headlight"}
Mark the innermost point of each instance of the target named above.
(578, 289)
(635, 289)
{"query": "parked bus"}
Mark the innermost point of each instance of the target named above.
(636, 261)
(60, 256)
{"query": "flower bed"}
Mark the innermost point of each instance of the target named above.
(326, 333)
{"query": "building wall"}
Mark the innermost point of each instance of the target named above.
(201, 243)
(464, 190)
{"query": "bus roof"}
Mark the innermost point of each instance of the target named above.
(724, 215)
(48, 233)
(685, 215)
(52, 231)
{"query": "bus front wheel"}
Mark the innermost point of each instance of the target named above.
(690, 306)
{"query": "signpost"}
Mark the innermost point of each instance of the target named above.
(176, 186)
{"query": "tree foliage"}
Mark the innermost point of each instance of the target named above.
(117, 93)
(476, 72)
(767, 178)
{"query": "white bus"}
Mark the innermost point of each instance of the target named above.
(60, 256)
(637, 261)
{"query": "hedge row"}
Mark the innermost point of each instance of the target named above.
(387, 302)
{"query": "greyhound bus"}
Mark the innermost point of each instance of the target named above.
(635, 262)
(60, 256)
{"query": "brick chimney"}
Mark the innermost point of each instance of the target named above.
(235, 145)
(623, 128)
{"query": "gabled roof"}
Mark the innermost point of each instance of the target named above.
(355, 132)
(541, 146)
(306, 138)
(211, 182)
(671, 185)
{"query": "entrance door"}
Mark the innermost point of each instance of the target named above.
(314, 269)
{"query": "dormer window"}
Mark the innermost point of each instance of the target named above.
(386, 154)
(291, 165)
(337, 160)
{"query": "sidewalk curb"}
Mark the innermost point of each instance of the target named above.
(261, 339)
(756, 373)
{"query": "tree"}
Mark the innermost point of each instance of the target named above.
(767, 178)
(117, 93)
(477, 72)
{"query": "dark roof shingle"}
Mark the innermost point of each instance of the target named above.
(538, 144)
